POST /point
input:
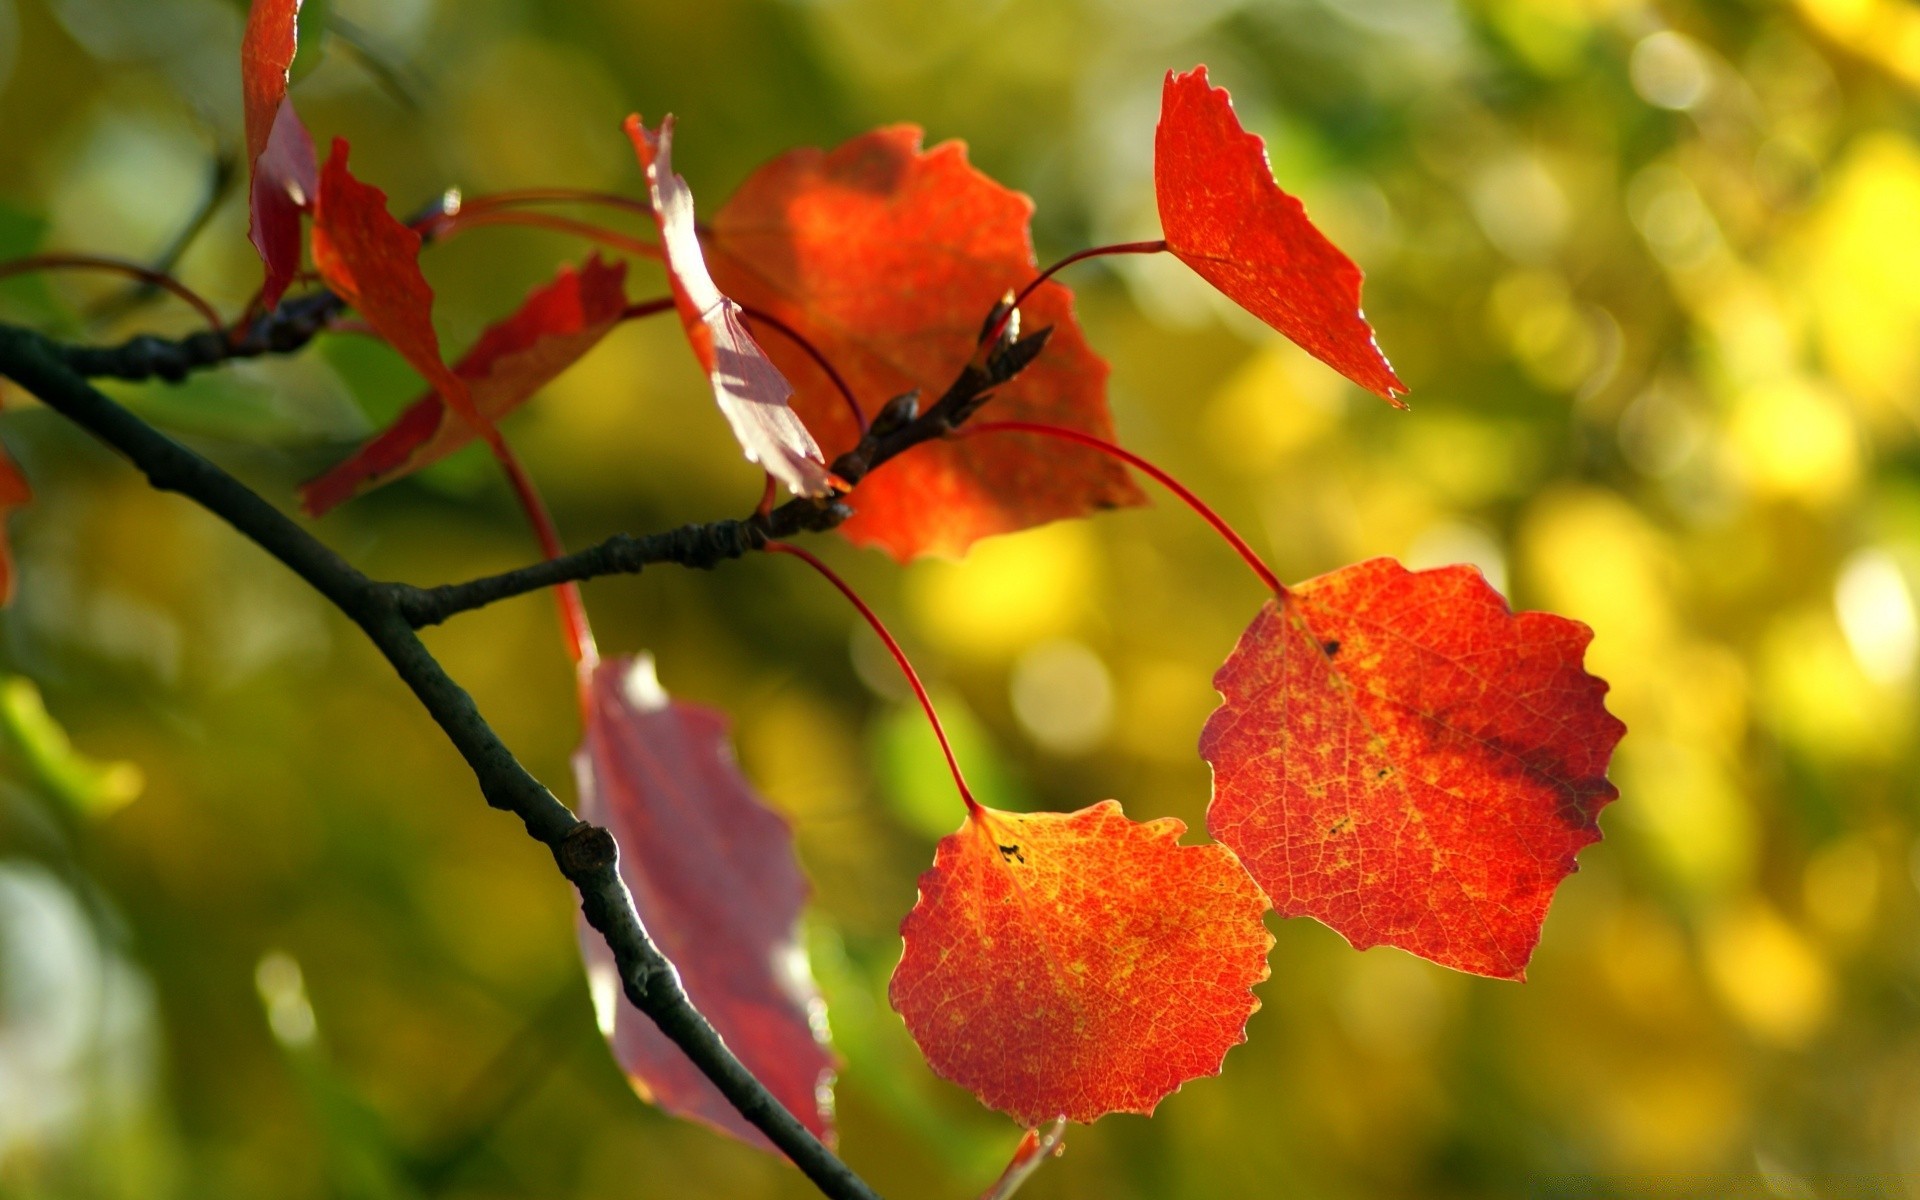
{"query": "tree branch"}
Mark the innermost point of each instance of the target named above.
(899, 427)
(586, 854)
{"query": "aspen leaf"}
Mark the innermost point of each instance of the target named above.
(887, 258)
(514, 358)
(1224, 216)
(280, 162)
(750, 390)
(1077, 964)
(1401, 756)
(714, 879)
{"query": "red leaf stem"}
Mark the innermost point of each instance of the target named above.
(760, 317)
(443, 227)
(899, 656)
(1219, 523)
(95, 262)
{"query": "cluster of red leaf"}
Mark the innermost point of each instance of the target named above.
(1398, 754)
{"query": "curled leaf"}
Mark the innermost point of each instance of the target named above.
(887, 257)
(751, 392)
(1224, 216)
(1401, 756)
(1077, 964)
(516, 357)
(280, 162)
(372, 261)
(714, 879)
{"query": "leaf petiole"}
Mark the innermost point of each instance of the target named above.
(1219, 523)
(899, 656)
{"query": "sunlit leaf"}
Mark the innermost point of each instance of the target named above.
(1224, 216)
(750, 390)
(1404, 758)
(887, 258)
(1077, 964)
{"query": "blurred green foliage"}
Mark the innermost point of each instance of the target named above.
(1651, 269)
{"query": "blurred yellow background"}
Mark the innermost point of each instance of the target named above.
(1652, 271)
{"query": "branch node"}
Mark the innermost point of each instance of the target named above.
(585, 850)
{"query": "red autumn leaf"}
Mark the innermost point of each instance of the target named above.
(15, 492)
(1224, 216)
(372, 261)
(1077, 964)
(750, 390)
(887, 258)
(714, 880)
(281, 176)
(1401, 756)
(556, 325)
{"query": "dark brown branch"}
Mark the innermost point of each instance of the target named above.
(899, 427)
(586, 854)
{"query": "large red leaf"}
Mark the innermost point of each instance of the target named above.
(751, 392)
(714, 880)
(1079, 964)
(15, 492)
(1225, 217)
(1403, 757)
(280, 166)
(372, 261)
(557, 324)
(888, 258)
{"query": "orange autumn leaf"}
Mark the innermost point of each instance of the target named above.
(1224, 216)
(1077, 964)
(714, 880)
(887, 258)
(372, 261)
(750, 390)
(516, 357)
(15, 492)
(280, 162)
(1401, 756)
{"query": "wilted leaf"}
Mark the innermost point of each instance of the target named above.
(1077, 964)
(1224, 216)
(1404, 758)
(556, 325)
(280, 160)
(888, 258)
(714, 880)
(372, 261)
(751, 392)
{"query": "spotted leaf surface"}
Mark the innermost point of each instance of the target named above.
(1404, 758)
(1079, 964)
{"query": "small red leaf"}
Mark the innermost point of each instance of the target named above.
(888, 258)
(15, 492)
(1401, 756)
(1077, 964)
(714, 880)
(280, 162)
(372, 261)
(1224, 216)
(556, 325)
(750, 390)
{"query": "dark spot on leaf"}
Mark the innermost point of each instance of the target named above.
(1332, 648)
(1383, 772)
(1340, 826)
(1012, 854)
